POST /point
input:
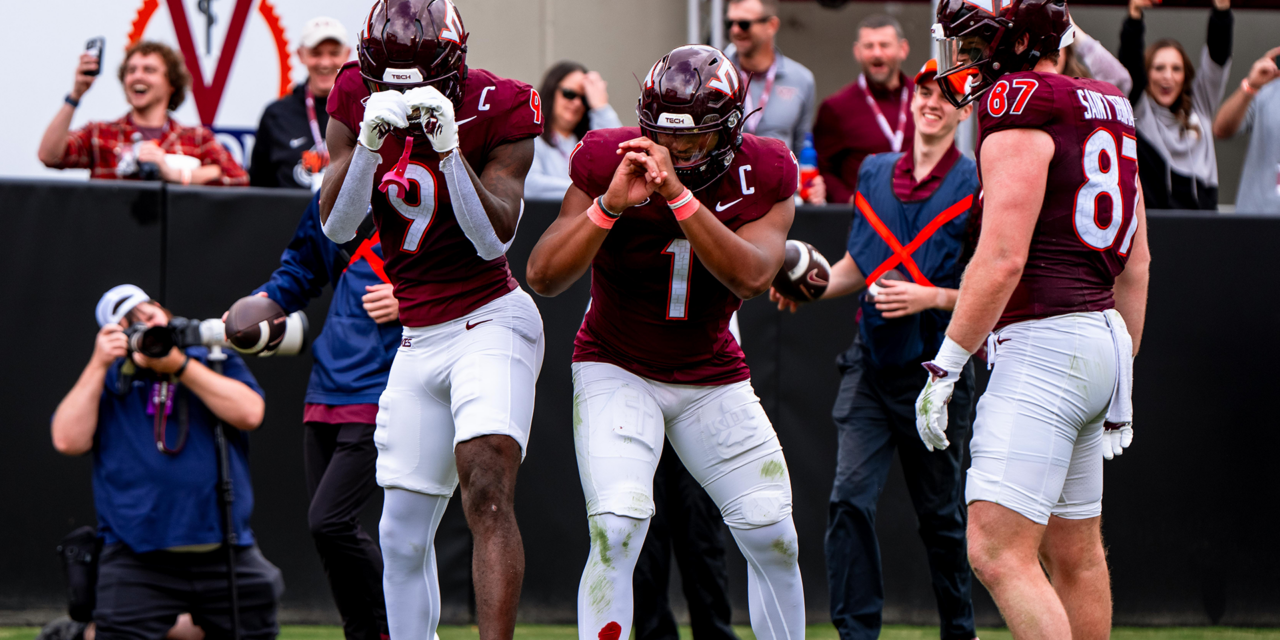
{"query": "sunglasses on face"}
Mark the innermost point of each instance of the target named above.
(745, 25)
(570, 94)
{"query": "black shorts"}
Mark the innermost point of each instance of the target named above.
(140, 595)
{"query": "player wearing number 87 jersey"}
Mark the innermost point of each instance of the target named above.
(678, 220)
(439, 152)
(1060, 273)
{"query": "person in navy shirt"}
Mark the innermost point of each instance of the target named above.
(918, 200)
(353, 356)
(149, 424)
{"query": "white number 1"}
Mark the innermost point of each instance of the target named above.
(678, 290)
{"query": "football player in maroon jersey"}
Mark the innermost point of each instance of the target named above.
(447, 149)
(1060, 274)
(679, 220)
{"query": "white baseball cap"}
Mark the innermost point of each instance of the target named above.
(318, 30)
(117, 302)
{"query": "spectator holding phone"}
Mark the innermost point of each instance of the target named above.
(1255, 108)
(146, 144)
(1173, 107)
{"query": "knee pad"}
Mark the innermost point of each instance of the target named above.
(758, 508)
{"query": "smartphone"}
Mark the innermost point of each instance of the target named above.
(94, 47)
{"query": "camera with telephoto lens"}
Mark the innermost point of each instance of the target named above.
(156, 342)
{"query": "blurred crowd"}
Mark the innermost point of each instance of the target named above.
(1178, 100)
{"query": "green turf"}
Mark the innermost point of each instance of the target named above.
(815, 632)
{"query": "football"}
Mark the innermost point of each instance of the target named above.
(875, 287)
(805, 273)
(255, 324)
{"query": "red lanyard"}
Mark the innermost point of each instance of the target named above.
(895, 138)
(315, 127)
(748, 102)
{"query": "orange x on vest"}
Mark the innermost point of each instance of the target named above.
(902, 255)
(366, 251)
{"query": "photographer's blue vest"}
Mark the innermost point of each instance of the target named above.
(923, 240)
(353, 354)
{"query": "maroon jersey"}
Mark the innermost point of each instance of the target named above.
(656, 311)
(435, 269)
(1087, 223)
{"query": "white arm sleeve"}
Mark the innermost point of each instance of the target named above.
(352, 205)
(470, 212)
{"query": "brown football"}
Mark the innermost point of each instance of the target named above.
(254, 324)
(805, 273)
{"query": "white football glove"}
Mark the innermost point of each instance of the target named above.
(384, 111)
(426, 104)
(1115, 439)
(931, 405)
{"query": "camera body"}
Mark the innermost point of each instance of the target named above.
(128, 165)
(156, 342)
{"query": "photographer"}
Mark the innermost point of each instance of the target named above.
(158, 511)
(146, 144)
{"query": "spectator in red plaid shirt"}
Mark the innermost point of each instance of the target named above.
(155, 82)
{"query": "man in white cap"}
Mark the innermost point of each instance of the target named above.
(290, 149)
(148, 424)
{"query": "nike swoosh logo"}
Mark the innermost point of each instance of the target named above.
(465, 120)
(471, 326)
(721, 206)
(1002, 340)
(297, 142)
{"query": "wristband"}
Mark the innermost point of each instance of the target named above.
(684, 205)
(597, 215)
(605, 210)
(183, 369)
(71, 101)
(1246, 87)
(951, 356)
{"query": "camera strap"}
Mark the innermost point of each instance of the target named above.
(160, 405)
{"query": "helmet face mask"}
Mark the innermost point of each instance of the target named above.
(691, 103)
(981, 40)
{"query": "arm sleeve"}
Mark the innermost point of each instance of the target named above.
(585, 168)
(304, 265)
(1215, 66)
(78, 152)
(1132, 43)
(352, 204)
(1101, 63)
(788, 173)
(469, 210)
(826, 141)
(603, 118)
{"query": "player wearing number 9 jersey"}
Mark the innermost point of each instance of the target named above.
(1060, 273)
(439, 152)
(679, 220)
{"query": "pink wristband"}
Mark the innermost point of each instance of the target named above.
(685, 205)
(599, 217)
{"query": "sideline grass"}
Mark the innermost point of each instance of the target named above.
(814, 632)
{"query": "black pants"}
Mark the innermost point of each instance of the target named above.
(340, 461)
(685, 519)
(140, 595)
(874, 414)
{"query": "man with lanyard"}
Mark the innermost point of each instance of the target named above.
(780, 90)
(867, 116)
(290, 149)
(911, 217)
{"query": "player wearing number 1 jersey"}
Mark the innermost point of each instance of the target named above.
(439, 152)
(1060, 273)
(679, 220)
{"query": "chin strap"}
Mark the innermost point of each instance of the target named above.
(470, 212)
(352, 205)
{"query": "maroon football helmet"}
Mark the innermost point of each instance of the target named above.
(691, 103)
(414, 43)
(979, 41)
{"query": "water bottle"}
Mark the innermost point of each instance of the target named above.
(808, 166)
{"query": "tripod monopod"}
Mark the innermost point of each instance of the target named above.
(226, 498)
